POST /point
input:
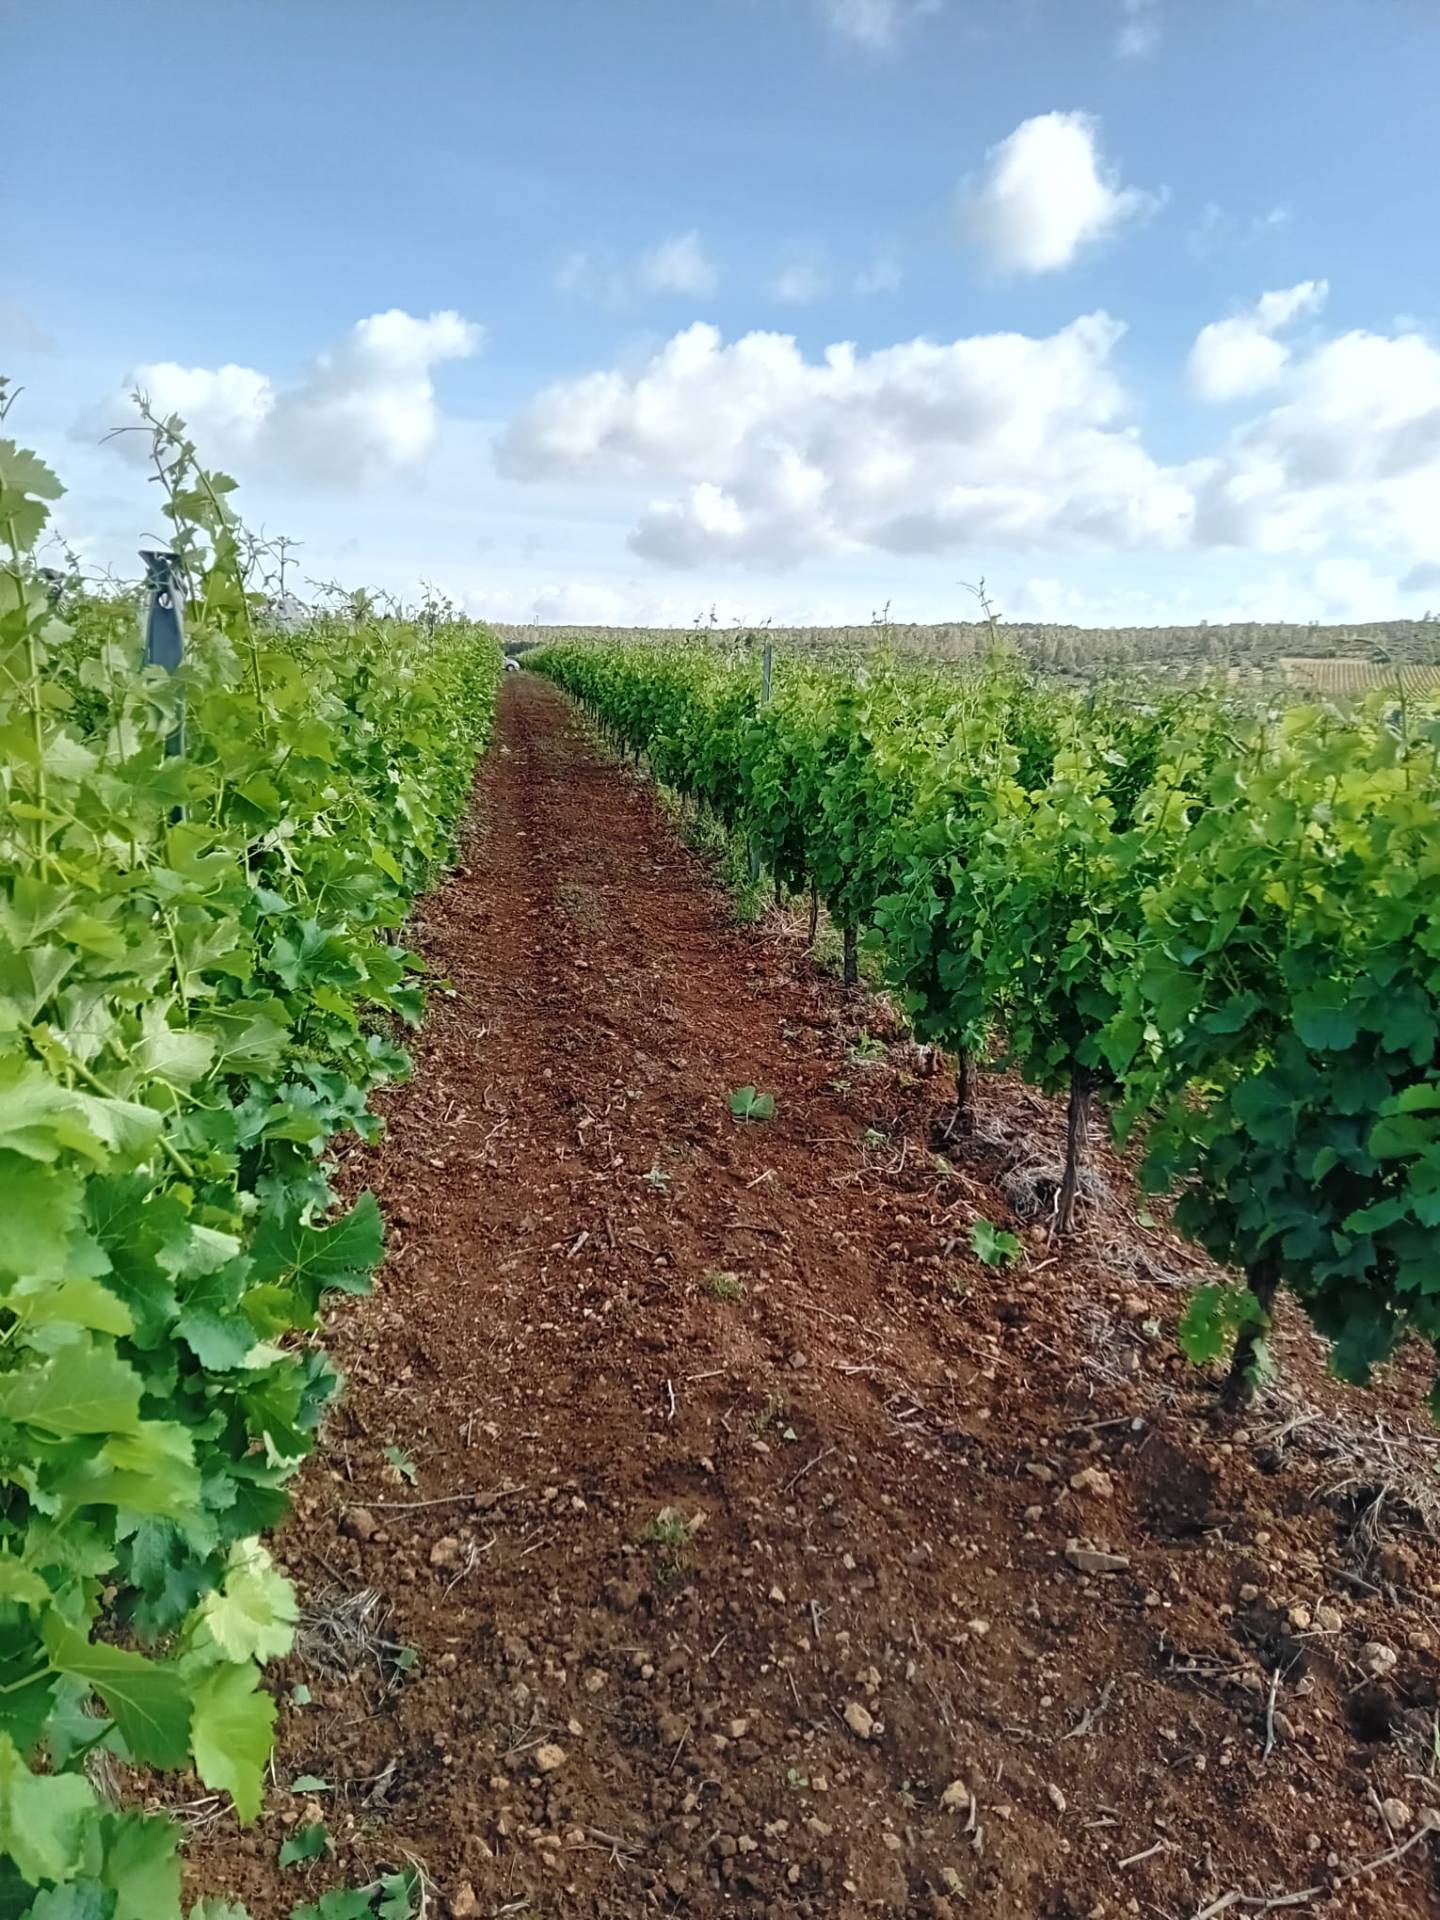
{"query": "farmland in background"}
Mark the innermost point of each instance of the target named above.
(1334, 659)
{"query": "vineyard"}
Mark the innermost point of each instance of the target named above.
(202, 877)
(1375, 654)
(821, 1439)
(1222, 922)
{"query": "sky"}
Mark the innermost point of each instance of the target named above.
(624, 311)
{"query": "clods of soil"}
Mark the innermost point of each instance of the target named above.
(705, 1529)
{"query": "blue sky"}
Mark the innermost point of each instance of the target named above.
(542, 301)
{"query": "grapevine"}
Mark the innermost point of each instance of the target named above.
(1221, 919)
(200, 980)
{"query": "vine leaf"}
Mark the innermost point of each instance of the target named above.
(147, 1700)
(231, 1735)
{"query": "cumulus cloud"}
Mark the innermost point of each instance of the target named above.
(875, 24)
(754, 453)
(1047, 196)
(1234, 358)
(365, 408)
(1350, 452)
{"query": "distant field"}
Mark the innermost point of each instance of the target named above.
(1358, 676)
(1332, 659)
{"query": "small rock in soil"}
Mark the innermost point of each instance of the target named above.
(360, 1524)
(446, 1552)
(1092, 1560)
(1397, 1813)
(549, 1757)
(859, 1720)
(956, 1797)
(463, 1903)
(1376, 1659)
(1093, 1480)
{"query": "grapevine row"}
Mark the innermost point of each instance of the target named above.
(1222, 920)
(200, 985)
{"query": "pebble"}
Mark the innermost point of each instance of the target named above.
(1092, 1560)
(1249, 1594)
(1329, 1619)
(463, 1903)
(1093, 1480)
(360, 1524)
(859, 1721)
(956, 1797)
(1056, 1799)
(1397, 1813)
(549, 1757)
(1376, 1659)
(446, 1552)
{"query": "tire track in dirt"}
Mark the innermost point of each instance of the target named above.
(755, 1599)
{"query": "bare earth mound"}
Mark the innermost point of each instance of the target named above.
(766, 1552)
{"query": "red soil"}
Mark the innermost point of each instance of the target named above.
(736, 1563)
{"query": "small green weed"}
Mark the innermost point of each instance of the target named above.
(993, 1244)
(866, 1049)
(773, 1408)
(671, 1534)
(305, 1843)
(747, 1103)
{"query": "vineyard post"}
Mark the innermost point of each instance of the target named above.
(164, 633)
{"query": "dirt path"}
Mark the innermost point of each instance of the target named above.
(750, 1589)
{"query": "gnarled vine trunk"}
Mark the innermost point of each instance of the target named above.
(1264, 1282)
(1077, 1121)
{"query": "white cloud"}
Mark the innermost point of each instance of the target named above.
(1350, 454)
(679, 265)
(1139, 33)
(1241, 356)
(881, 276)
(1047, 196)
(800, 283)
(365, 408)
(876, 24)
(762, 456)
